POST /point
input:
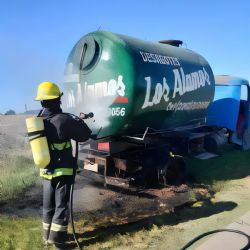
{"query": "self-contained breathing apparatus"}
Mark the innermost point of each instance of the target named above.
(38, 141)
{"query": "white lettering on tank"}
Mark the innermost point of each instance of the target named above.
(85, 91)
(166, 88)
(147, 103)
(161, 90)
(195, 79)
(160, 59)
(183, 83)
(71, 99)
(111, 87)
(143, 56)
(189, 82)
(120, 86)
(79, 93)
(177, 83)
(101, 89)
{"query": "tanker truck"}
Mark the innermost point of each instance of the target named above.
(150, 103)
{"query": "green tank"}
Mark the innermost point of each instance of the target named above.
(131, 84)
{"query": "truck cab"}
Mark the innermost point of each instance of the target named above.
(231, 109)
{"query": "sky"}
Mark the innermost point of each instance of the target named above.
(36, 36)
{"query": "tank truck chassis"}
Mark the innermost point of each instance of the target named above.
(155, 159)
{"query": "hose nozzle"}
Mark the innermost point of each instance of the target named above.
(86, 116)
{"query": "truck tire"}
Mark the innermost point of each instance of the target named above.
(175, 171)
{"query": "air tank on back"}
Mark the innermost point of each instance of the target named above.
(131, 84)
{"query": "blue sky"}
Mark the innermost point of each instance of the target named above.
(37, 36)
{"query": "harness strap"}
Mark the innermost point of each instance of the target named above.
(60, 146)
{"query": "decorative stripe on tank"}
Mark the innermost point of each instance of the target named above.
(121, 99)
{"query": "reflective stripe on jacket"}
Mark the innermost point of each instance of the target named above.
(57, 172)
(58, 150)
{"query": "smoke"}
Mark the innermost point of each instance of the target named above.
(101, 110)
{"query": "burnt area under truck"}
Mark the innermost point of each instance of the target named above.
(154, 160)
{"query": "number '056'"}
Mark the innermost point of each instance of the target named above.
(118, 111)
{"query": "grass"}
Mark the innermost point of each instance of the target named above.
(20, 233)
(232, 164)
(17, 173)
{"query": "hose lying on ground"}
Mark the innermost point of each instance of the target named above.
(71, 198)
(71, 216)
(247, 247)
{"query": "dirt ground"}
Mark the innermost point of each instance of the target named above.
(90, 196)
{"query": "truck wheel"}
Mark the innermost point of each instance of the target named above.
(175, 171)
(150, 171)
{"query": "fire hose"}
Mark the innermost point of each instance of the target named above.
(71, 200)
(71, 216)
(82, 116)
(247, 247)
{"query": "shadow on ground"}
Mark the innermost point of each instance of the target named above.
(170, 219)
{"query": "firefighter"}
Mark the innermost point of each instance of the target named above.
(58, 176)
